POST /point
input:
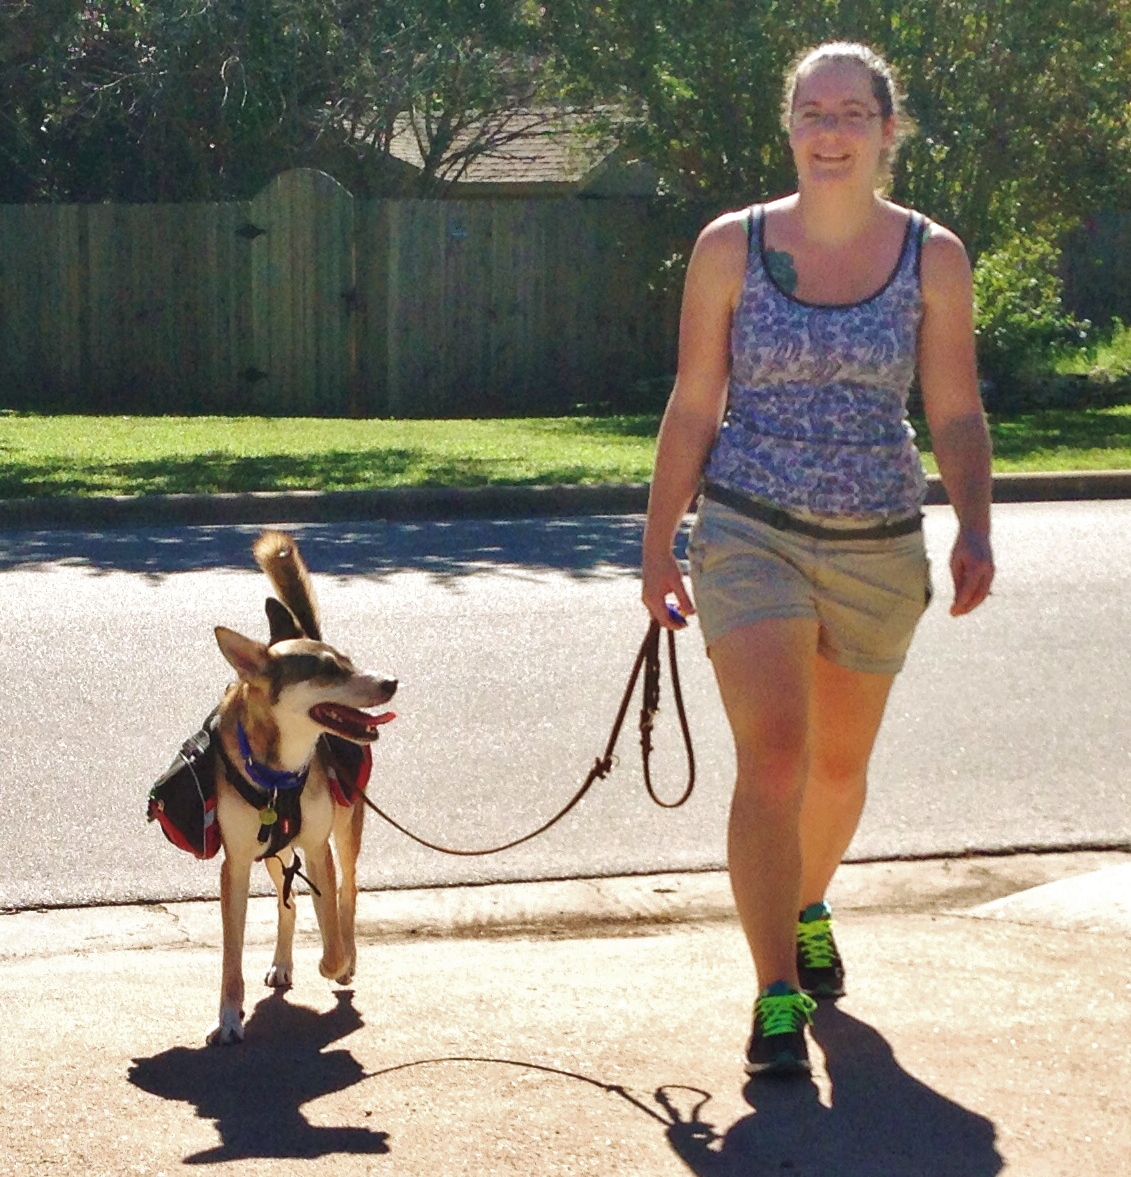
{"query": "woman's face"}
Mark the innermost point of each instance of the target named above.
(837, 131)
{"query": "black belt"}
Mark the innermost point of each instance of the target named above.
(784, 521)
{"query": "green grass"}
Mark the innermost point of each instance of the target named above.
(1110, 357)
(71, 455)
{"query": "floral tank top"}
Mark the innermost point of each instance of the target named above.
(816, 416)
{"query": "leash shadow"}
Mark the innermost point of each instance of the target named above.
(255, 1092)
(882, 1120)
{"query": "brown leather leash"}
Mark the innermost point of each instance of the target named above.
(648, 659)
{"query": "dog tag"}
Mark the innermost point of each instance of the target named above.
(268, 816)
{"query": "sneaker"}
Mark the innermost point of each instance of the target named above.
(819, 967)
(777, 1042)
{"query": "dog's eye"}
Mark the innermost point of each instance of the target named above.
(330, 670)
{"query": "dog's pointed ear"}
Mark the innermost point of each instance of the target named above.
(284, 627)
(248, 658)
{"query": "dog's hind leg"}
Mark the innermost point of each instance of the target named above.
(281, 973)
(235, 881)
(347, 841)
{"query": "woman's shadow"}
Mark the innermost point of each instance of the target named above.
(883, 1122)
(254, 1092)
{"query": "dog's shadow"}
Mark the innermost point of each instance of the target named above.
(255, 1092)
(882, 1122)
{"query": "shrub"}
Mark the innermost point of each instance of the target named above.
(1021, 322)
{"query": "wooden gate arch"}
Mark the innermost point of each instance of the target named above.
(303, 295)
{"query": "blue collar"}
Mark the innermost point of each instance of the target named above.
(271, 779)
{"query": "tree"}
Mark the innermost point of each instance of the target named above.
(1021, 104)
(29, 37)
(207, 99)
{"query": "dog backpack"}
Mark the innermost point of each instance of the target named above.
(184, 799)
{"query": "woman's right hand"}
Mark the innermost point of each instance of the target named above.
(663, 579)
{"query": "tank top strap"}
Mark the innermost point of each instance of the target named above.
(917, 234)
(754, 217)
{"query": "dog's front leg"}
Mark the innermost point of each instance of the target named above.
(324, 878)
(235, 881)
(347, 841)
(281, 973)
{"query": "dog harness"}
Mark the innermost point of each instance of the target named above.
(183, 801)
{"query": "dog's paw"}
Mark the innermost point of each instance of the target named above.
(345, 974)
(279, 976)
(334, 968)
(228, 1031)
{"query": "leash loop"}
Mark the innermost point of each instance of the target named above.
(648, 659)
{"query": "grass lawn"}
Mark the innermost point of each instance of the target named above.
(72, 455)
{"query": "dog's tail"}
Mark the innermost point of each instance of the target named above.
(278, 555)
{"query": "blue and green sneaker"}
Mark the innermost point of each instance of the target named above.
(777, 1041)
(819, 967)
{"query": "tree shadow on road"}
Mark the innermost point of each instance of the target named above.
(581, 547)
(882, 1122)
(255, 1092)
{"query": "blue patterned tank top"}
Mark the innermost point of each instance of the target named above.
(816, 417)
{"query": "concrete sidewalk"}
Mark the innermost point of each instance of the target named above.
(586, 1027)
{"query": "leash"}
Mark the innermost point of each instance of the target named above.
(648, 660)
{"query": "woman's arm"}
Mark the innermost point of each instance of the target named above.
(691, 420)
(948, 377)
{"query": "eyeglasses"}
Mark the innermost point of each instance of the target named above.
(853, 119)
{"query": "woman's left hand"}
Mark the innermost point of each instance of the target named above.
(972, 567)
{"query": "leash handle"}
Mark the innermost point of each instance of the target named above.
(647, 658)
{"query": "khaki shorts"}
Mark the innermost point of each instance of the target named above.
(867, 595)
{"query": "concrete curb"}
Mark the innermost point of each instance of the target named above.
(262, 507)
(1069, 889)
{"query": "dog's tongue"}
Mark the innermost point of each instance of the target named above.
(337, 715)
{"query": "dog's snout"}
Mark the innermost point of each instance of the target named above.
(389, 688)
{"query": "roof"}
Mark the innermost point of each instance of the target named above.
(537, 148)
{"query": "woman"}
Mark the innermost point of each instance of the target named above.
(803, 324)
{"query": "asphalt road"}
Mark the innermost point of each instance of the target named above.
(512, 641)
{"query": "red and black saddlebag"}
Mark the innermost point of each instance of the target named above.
(348, 766)
(184, 799)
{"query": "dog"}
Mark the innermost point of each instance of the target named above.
(281, 729)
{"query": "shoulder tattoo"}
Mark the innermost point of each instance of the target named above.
(779, 265)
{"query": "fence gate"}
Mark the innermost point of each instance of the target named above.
(304, 354)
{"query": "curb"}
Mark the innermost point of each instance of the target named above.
(310, 506)
(1071, 889)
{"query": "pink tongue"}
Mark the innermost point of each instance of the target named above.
(384, 717)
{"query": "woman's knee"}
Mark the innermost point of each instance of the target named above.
(773, 772)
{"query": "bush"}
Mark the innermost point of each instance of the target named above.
(1022, 324)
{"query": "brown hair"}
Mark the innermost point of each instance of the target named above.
(885, 88)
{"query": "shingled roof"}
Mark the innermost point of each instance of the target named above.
(547, 152)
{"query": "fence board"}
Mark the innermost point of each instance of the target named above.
(404, 308)
(1096, 266)
(303, 273)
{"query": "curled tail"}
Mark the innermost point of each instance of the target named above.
(278, 555)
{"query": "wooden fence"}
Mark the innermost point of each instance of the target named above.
(306, 300)
(1096, 268)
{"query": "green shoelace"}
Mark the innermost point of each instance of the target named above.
(815, 943)
(783, 1013)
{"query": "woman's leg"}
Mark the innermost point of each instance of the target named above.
(765, 673)
(846, 707)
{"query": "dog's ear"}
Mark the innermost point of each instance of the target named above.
(284, 627)
(248, 658)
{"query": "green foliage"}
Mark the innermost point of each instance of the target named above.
(207, 99)
(1021, 320)
(1021, 104)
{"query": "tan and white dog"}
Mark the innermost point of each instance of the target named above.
(276, 778)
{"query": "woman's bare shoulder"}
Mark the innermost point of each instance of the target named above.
(945, 265)
(720, 251)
